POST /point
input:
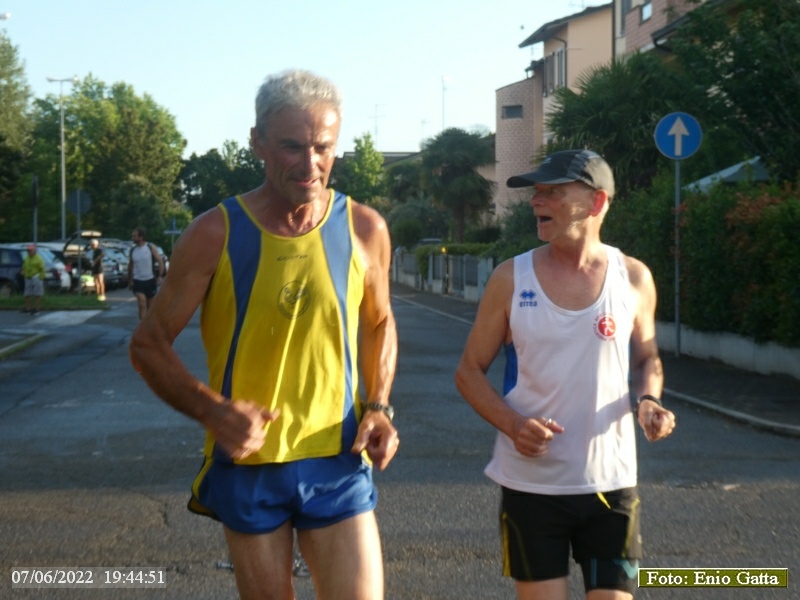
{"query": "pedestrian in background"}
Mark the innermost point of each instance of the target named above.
(576, 318)
(34, 271)
(145, 270)
(98, 254)
(293, 281)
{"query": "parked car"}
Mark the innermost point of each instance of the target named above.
(11, 280)
(122, 258)
(75, 251)
(57, 248)
(51, 258)
(164, 257)
(113, 273)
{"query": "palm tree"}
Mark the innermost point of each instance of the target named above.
(450, 161)
(616, 111)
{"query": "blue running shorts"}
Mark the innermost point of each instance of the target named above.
(311, 493)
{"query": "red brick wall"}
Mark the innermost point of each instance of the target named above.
(515, 142)
(638, 33)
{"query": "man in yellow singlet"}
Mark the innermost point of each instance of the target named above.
(293, 282)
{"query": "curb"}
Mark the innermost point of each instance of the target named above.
(782, 428)
(20, 345)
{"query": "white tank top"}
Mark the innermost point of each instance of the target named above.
(580, 380)
(142, 258)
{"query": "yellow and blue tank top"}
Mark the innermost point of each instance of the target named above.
(280, 325)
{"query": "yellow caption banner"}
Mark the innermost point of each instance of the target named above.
(711, 577)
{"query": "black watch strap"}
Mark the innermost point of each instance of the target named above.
(647, 397)
(386, 409)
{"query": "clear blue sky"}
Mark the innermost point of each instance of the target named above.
(203, 61)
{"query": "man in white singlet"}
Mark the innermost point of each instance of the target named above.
(576, 319)
(142, 278)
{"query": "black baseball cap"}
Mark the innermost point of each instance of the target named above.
(567, 166)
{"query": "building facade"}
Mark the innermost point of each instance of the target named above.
(638, 22)
(571, 46)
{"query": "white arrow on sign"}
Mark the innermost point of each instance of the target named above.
(678, 130)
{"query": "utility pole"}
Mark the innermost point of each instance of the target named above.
(61, 82)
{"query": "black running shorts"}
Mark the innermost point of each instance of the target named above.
(602, 530)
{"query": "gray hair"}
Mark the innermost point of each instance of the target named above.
(295, 88)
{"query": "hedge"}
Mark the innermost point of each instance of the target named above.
(739, 255)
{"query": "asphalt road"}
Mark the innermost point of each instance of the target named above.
(95, 471)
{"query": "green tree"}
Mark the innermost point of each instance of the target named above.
(403, 180)
(139, 204)
(11, 164)
(112, 135)
(361, 177)
(519, 231)
(15, 140)
(617, 108)
(450, 161)
(415, 219)
(208, 179)
(747, 54)
(15, 94)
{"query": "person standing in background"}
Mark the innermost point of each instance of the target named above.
(98, 254)
(34, 271)
(145, 270)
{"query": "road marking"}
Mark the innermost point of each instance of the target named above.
(62, 318)
(433, 310)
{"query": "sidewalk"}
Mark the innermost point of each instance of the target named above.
(769, 402)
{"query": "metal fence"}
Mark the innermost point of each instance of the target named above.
(460, 276)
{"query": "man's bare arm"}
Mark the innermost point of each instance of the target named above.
(647, 372)
(489, 332)
(378, 336)
(237, 426)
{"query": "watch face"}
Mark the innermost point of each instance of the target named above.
(387, 409)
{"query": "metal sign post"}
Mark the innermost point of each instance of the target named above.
(678, 136)
(35, 204)
(172, 231)
(79, 202)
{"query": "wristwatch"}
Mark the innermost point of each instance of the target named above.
(646, 397)
(386, 409)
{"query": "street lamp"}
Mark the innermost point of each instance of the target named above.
(61, 82)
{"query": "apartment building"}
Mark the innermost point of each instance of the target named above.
(570, 46)
(639, 24)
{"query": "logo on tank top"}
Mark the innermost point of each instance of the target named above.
(293, 299)
(527, 298)
(605, 327)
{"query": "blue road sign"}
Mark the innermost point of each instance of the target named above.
(678, 135)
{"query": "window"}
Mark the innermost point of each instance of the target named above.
(554, 74)
(626, 8)
(647, 10)
(511, 112)
(549, 72)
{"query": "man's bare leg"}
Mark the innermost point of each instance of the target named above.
(558, 589)
(141, 299)
(262, 563)
(549, 589)
(345, 559)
